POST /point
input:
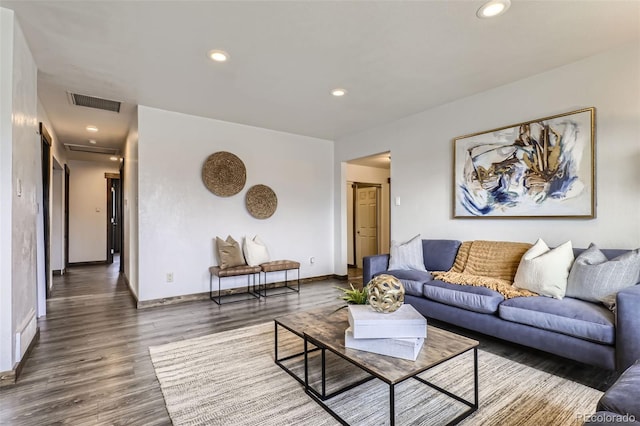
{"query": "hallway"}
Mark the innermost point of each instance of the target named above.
(91, 365)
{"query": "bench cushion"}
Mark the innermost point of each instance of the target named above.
(577, 318)
(279, 265)
(233, 271)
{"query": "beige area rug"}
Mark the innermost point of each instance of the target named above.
(230, 378)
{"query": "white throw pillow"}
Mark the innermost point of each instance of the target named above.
(255, 251)
(544, 270)
(407, 255)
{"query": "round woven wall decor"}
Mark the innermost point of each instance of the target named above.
(261, 201)
(224, 174)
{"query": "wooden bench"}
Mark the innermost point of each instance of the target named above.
(278, 266)
(236, 271)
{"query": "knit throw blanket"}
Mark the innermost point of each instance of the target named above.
(491, 264)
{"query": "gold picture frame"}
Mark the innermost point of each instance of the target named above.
(543, 168)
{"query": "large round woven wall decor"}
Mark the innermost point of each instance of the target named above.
(261, 201)
(224, 174)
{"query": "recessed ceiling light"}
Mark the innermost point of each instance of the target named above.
(92, 129)
(92, 141)
(493, 8)
(219, 55)
(338, 92)
(113, 158)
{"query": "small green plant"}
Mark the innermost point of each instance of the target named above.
(354, 296)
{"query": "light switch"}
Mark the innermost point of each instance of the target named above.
(397, 201)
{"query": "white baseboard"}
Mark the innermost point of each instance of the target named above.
(25, 335)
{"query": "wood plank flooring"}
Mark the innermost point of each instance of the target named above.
(92, 366)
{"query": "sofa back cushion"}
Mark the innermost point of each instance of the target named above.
(439, 255)
(595, 277)
(610, 253)
(407, 255)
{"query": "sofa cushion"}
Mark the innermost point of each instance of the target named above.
(623, 396)
(411, 279)
(595, 278)
(407, 255)
(477, 299)
(577, 318)
(439, 255)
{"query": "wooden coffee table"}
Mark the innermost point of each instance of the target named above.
(323, 330)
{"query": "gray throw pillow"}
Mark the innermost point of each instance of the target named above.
(407, 255)
(595, 278)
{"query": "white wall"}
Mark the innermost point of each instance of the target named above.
(421, 148)
(130, 210)
(88, 210)
(20, 185)
(179, 217)
(363, 174)
(6, 187)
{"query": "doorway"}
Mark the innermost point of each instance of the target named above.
(57, 219)
(45, 139)
(367, 220)
(114, 214)
(67, 173)
(368, 208)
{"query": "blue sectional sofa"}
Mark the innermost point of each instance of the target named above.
(572, 328)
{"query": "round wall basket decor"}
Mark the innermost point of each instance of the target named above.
(261, 201)
(224, 174)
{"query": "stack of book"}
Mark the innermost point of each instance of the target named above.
(399, 334)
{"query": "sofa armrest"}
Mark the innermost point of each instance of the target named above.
(623, 396)
(627, 327)
(372, 265)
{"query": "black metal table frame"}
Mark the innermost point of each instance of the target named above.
(320, 397)
(250, 291)
(286, 289)
(279, 362)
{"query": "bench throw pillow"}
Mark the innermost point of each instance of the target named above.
(407, 255)
(545, 271)
(255, 251)
(229, 253)
(595, 278)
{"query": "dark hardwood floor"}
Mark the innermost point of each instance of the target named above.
(91, 365)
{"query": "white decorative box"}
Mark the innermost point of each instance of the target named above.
(397, 348)
(406, 322)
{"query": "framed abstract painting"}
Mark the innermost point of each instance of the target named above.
(543, 168)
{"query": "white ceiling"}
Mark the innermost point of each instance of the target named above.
(395, 58)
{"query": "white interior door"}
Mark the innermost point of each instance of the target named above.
(366, 223)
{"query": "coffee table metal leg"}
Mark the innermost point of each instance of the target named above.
(306, 366)
(475, 378)
(275, 324)
(324, 376)
(392, 405)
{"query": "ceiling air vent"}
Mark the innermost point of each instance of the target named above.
(91, 102)
(92, 149)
